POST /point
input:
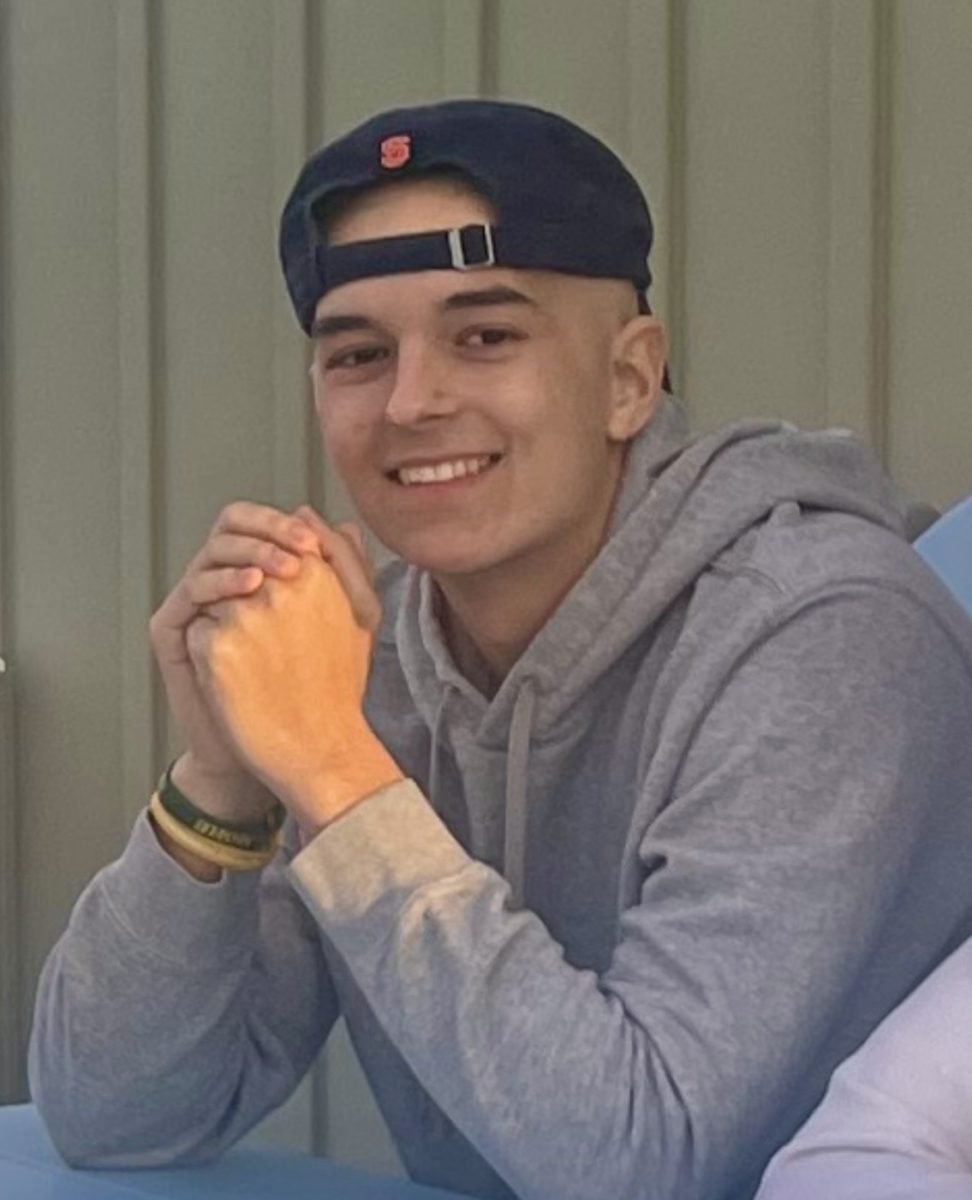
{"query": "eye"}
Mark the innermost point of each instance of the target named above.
(355, 356)
(488, 337)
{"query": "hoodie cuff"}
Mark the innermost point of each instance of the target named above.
(366, 866)
(173, 915)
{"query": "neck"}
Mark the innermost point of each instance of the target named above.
(489, 618)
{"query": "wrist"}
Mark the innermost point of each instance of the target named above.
(363, 767)
(224, 795)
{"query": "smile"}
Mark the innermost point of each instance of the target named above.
(445, 472)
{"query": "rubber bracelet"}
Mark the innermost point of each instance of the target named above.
(221, 856)
(252, 835)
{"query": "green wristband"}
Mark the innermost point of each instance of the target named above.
(242, 835)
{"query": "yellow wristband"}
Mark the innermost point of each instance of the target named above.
(230, 857)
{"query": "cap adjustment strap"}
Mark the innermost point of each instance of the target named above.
(458, 239)
(553, 246)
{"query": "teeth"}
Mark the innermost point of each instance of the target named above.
(443, 472)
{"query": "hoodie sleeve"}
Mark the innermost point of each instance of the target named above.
(162, 1032)
(804, 798)
(896, 1123)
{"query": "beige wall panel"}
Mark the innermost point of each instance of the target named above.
(856, 250)
(11, 1081)
(575, 63)
(653, 146)
(62, 588)
(380, 54)
(610, 67)
(930, 413)
(756, 203)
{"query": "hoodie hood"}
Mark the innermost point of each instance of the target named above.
(683, 503)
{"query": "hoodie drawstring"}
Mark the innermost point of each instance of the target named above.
(434, 751)
(515, 830)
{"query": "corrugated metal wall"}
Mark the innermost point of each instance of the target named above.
(808, 166)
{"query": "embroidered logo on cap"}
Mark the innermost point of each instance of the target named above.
(396, 151)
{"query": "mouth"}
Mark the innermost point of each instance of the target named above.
(452, 471)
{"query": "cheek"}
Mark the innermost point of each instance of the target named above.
(346, 435)
(568, 414)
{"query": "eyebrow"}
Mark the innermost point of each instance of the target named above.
(323, 327)
(487, 296)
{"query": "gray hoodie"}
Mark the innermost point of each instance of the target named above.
(631, 911)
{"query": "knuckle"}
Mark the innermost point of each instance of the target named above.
(229, 514)
(299, 529)
(305, 515)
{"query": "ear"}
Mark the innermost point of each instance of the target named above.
(637, 370)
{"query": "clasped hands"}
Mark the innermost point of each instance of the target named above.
(276, 618)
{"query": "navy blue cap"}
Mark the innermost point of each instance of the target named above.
(563, 200)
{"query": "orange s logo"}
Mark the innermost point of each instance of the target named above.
(396, 151)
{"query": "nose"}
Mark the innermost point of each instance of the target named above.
(420, 389)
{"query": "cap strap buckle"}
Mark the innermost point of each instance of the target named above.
(459, 240)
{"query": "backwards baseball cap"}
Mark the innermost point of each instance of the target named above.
(564, 201)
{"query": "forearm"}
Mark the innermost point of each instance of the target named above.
(560, 1088)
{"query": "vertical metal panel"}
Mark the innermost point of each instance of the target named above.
(12, 1023)
(756, 209)
(881, 167)
(574, 64)
(930, 351)
(463, 28)
(136, 466)
(289, 143)
(857, 247)
(654, 147)
(60, 265)
(380, 54)
(11, 1019)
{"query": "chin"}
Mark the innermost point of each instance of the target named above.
(438, 557)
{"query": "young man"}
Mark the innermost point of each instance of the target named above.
(647, 805)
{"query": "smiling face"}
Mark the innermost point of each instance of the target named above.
(478, 419)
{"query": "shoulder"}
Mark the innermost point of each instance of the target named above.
(799, 557)
(820, 607)
(797, 549)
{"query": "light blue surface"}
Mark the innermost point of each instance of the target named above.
(31, 1170)
(947, 548)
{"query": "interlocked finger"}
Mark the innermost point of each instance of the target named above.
(343, 548)
(221, 583)
(240, 550)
